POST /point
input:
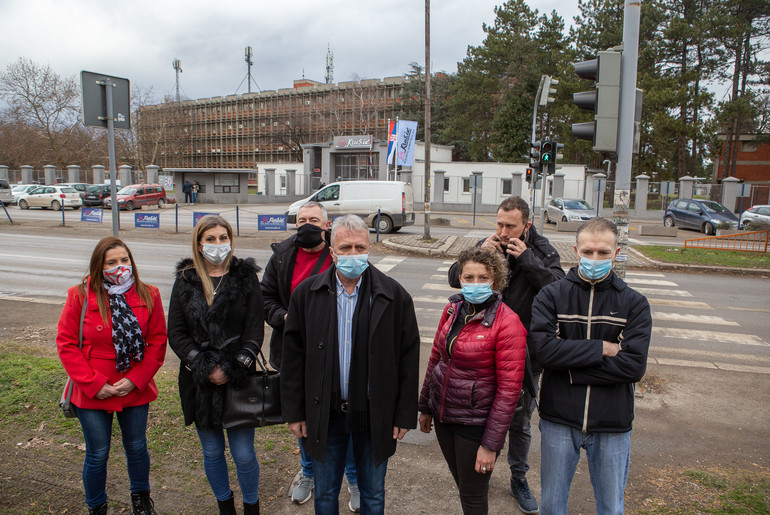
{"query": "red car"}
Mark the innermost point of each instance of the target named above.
(138, 195)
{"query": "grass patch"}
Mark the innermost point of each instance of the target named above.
(706, 257)
(718, 491)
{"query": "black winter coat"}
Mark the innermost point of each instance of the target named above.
(205, 336)
(309, 341)
(276, 290)
(536, 267)
(570, 319)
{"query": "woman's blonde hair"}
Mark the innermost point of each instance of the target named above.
(199, 262)
(493, 260)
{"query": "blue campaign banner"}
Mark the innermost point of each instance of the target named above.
(91, 214)
(147, 220)
(198, 215)
(272, 222)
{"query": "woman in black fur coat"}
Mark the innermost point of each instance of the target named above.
(215, 326)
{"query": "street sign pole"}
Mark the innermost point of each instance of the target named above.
(107, 84)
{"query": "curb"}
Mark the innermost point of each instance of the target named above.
(441, 251)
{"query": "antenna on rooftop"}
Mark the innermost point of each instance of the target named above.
(177, 64)
(249, 53)
(329, 65)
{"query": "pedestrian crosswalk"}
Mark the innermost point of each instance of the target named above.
(687, 332)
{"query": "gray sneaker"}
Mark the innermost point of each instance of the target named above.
(355, 499)
(303, 491)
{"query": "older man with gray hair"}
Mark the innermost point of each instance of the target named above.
(350, 368)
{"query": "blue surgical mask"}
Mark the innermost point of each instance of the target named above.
(352, 266)
(476, 293)
(215, 254)
(594, 269)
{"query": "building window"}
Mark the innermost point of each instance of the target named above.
(748, 146)
(226, 183)
(507, 186)
(466, 185)
(283, 181)
(446, 184)
(356, 166)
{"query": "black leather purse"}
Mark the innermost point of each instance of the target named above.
(68, 409)
(257, 402)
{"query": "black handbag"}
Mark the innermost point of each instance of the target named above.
(257, 403)
(68, 409)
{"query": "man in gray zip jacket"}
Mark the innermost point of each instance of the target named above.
(590, 332)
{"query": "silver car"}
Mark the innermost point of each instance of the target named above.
(568, 210)
(56, 197)
(757, 215)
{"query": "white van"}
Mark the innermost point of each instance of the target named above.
(394, 200)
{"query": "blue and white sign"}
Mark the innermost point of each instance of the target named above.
(91, 214)
(147, 220)
(197, 216)
(407, 133)
(272, 222)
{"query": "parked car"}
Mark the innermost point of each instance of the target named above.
(21, 189)
(138, 195)
(568, 210)
(6, 194)
(393, 199)
(756, 215)
(96, 194)
(81, 187)
(54, 196)
(701, 215)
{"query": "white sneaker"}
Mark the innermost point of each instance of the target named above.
(355, 498)
(303, 491)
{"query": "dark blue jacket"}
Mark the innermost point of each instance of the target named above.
(570, 319)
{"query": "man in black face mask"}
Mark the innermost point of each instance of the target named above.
(295, 259)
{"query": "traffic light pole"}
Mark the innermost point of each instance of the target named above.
(626, 129)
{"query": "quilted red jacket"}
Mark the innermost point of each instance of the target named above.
(479, 384)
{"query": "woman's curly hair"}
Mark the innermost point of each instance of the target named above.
(493, 260)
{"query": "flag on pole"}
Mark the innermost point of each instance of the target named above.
(392, 136)
(407, 132)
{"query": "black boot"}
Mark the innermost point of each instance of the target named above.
(227, 507)
(141, 504)
(251, 509)
(100, 510)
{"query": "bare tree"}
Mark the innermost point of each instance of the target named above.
(45, 102)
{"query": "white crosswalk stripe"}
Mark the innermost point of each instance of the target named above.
(695, 319)
(692, 304)
(386, 264)
(649, 282)
(660, 291)
(714, 336)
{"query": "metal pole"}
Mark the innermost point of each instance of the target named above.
(107, 84)
(475, 178)
(542, 200)
(62, 214)
(631, 15)
(6, 212)
(176, 216)
(237, 222)
(426, 179)
(379, 211)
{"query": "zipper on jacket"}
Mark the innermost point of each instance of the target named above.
(443, 391)
(588, 336)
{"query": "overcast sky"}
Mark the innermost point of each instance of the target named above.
(138, 39)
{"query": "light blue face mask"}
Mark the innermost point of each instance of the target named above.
(352, 266)
(594, 269)
(215, 254)
(476, 293)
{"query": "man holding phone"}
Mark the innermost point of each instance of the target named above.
(532, 264)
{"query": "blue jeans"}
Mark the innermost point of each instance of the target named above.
(520, 434)
(350, 463)
(245, 457)
(328, 473)
(97, 431)
(609, 458)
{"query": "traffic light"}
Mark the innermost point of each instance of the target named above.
(547, 91)
(534, 154)
(528, 177)
(604, 101)
(547, 152)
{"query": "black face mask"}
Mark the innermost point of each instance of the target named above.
(309, 236)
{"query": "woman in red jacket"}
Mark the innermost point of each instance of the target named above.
(124, 344)
(474, 376)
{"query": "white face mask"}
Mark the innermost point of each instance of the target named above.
(215, 254)
(118, 275)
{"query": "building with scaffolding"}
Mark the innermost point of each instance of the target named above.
(244, 131)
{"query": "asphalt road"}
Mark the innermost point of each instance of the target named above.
(700, 320)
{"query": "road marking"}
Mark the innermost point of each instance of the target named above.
(696, 319)
(429, 341)
(438, 277)
(442, 269)
(430, 312)
(82, 262)
(712, 356)
(712, 336)
(31, 299)
(657, 291)
(645, 274)
(758, 310)
(431, 300)
(387, 264)
(449, 262)
(439, 287)
(650, 282)
(679, 303)
(714, 366)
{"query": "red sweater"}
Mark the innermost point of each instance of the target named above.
(94, 365)
(480, 384)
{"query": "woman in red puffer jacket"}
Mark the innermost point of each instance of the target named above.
(474, 376)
